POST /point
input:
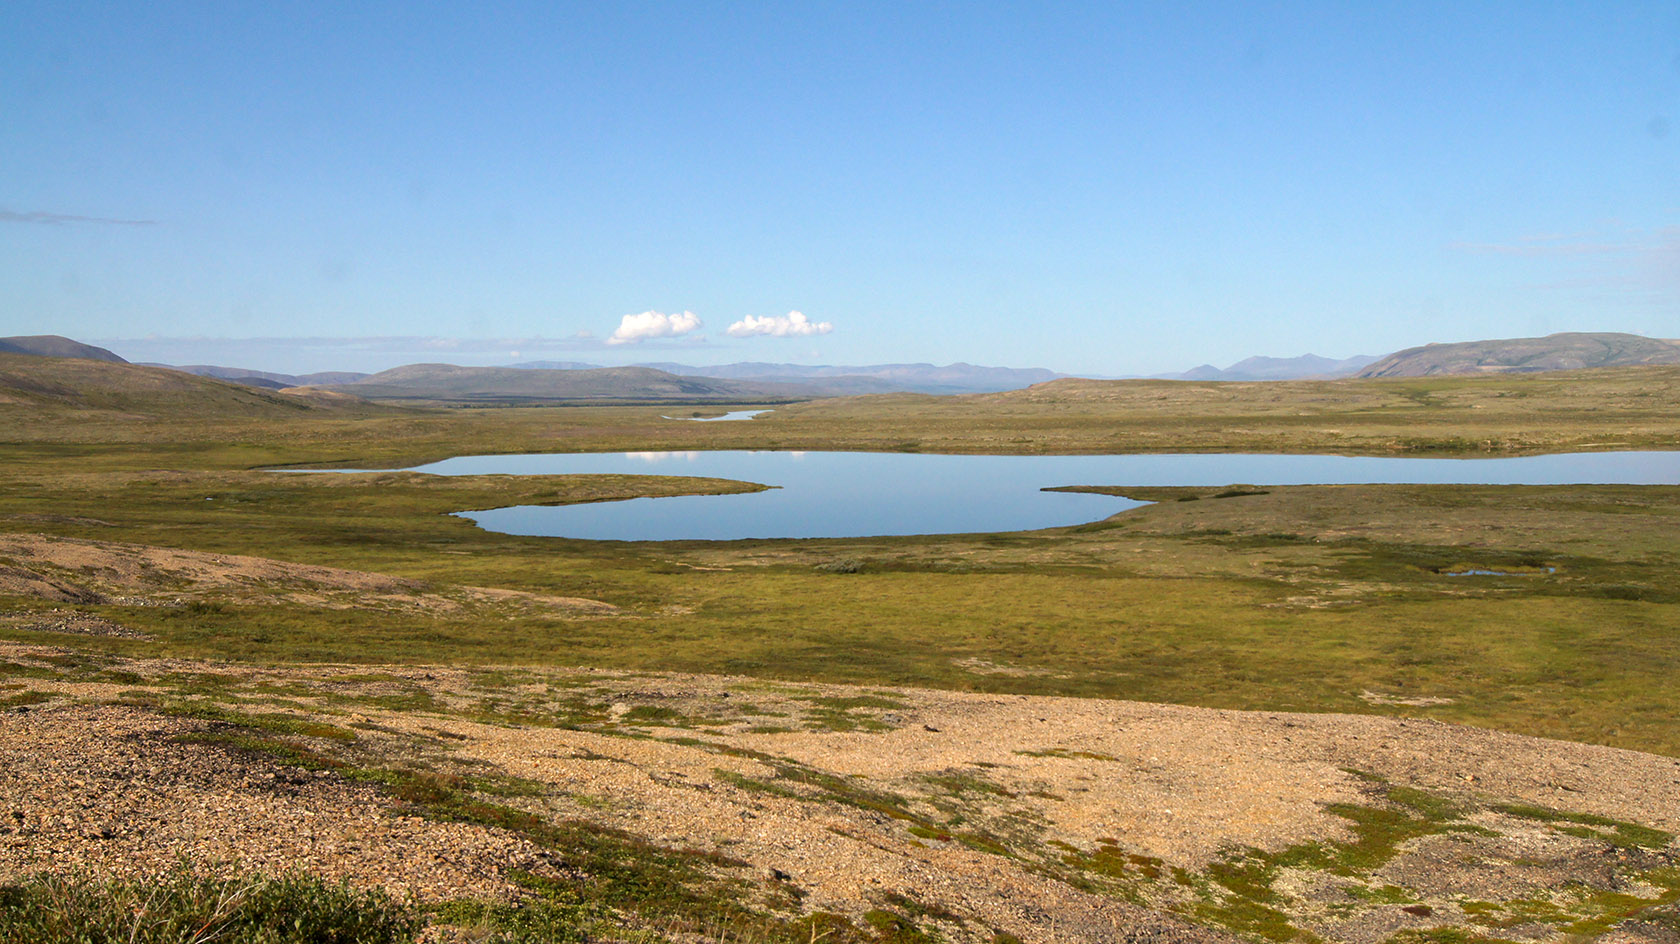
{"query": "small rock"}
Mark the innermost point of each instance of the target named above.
(929, 727)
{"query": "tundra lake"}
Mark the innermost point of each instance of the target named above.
(864, 494)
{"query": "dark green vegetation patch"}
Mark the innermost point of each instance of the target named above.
(183, 907)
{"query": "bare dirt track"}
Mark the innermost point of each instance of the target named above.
(1054, 819)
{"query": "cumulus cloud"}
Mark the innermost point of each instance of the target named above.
(791, 325)
(653, 324)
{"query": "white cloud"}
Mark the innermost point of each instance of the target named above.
(653, 324)
(792, 325)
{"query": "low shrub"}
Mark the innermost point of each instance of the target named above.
(843, 566)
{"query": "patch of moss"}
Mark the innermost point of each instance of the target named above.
(24, 698)
(1065, 752)
(656, 714)
(892, 928)
(958, 783)
(1616, 832)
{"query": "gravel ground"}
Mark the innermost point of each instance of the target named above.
(109, 789)
(84, 782)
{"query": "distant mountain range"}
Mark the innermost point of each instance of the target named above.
(570, 381)
(509, 385)
(787, 380)
(873, 378)
(1569, 351)
(1277, 368)
(556, 381)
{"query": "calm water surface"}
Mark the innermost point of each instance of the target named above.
(857, 494)
(732, 415)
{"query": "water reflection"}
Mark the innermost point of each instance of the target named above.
(732, 415)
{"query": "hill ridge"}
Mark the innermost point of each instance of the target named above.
(46, 385)
(1568, 350)
(56, 345)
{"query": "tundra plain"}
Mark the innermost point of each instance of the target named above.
(1248, 712)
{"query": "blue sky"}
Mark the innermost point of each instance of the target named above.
(1105, 188)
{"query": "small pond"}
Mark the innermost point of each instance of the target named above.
(858, 494)
(727, 417)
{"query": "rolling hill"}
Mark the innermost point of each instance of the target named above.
(43, 387)
(1569, 351)
(53, 345)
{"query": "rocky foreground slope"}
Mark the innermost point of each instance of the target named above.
(954, 816)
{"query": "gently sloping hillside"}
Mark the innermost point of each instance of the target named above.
(1567, 351)
(1621, 408)
(1613, 408)
(53, 345)
(45, 390)
(762, 807)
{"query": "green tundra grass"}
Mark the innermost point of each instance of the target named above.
(1308, 598)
